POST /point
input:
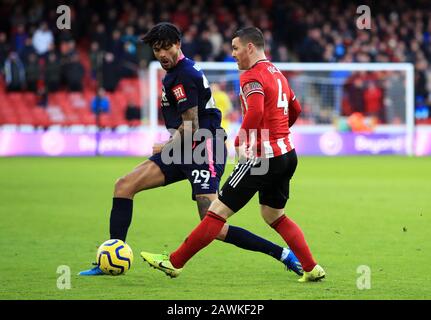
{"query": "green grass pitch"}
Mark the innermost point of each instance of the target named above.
(372, 211)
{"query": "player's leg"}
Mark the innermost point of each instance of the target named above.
(246, 240)
(236, 192)
(203, 202)
(291, 233)
(145, 176)
(294, 237)
(273, 200)
(207, 230)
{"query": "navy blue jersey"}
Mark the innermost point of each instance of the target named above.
(185, 86)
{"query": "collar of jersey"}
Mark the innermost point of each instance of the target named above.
(258, 61)
(178, 63)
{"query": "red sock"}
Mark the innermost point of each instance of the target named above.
(198, 239)
(292, 234)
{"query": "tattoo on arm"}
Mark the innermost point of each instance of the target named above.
(190, 119)
(190, 124)
(203, 205)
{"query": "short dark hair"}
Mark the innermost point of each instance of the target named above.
(162, 34)
(251, 34)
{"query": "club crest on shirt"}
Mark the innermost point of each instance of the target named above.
(179, 93)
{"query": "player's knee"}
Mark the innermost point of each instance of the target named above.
(123, 188)
(270, 214)
(203, 203)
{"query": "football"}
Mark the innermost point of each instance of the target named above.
(114, 257)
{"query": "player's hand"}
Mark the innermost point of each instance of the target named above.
(243, 153)
(157, 147)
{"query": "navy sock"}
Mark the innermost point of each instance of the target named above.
(249, 241)
(121, 217)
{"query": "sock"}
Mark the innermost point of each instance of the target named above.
(284, 254)
(198, 239)
(246, 240)
(294, 237)
(121, 217)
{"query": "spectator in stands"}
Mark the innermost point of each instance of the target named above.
(281, 54)
(311, 49)
(26, 50)
(189, 45)
(116, 45)
(96, 56)
(373, 100)
(226, 53)
(129, 61)
(110, 72)
(18, 16)
(205, 48)
(100, 103)
(4, 48)
(74, 73)
(14, 72)
(216, 40)
(131, 38)
(133, 112)
(111, 20)
(100, 36)
(19, 37)
(32, 72)
(43, 39)
(144, 54)
(52, 73)
(42, 97)
(354, 90)
(357, 123)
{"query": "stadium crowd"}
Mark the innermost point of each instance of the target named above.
(36, 56)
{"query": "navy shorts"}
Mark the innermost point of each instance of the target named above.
(205, 177)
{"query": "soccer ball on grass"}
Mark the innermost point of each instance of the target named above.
(114, 257)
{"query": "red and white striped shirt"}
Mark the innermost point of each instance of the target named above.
(269, 108)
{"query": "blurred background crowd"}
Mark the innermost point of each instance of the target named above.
(102, 47)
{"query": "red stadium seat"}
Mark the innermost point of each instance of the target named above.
(88, 119)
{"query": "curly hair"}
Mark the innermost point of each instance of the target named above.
(163, 34)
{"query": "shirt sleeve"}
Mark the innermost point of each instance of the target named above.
(185, 93)
(254, 97)
(294, 108)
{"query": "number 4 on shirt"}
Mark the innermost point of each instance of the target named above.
(282, 101)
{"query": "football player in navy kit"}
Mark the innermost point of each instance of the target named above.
(187, 107)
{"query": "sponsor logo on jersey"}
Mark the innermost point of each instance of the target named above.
(165, 102)
(179, 93)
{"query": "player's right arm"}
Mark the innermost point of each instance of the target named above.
(187, 128)
(253, 98)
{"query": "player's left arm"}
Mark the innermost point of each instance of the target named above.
(294, 108)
